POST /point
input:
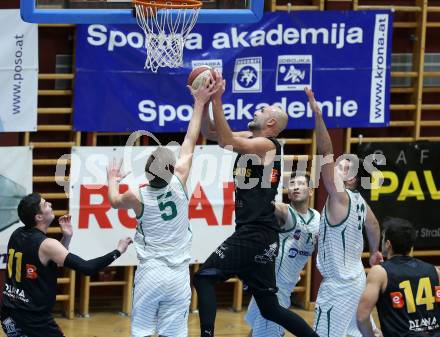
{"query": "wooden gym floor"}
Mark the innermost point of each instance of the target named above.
(105, 324)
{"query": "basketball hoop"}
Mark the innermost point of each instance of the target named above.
(166, 25)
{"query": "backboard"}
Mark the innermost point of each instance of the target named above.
(120, 11)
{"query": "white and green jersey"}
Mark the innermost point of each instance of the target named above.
(340, 246)
(297, 243)
(163, 232)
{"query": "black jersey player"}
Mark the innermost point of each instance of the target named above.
(405, 290)
(31, 278)
(250, 252)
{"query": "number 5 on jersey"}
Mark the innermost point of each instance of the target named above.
(166, 206)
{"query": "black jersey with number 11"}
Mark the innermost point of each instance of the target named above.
(29, 285)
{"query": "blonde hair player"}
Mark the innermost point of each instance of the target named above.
(341, 242)
(163, 234)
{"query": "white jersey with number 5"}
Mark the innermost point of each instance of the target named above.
(163, 232)
(340, 246)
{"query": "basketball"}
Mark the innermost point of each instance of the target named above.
(198, 75)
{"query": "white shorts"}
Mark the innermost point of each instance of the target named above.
(261, 327)
(336, 306)
(161, 301)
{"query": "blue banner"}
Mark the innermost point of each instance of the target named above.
(344, 56)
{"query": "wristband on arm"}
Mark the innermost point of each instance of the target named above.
(90, 267)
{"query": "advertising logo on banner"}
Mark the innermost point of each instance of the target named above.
(216, 64)
(344, 56)
(19, 73)
(15, 183)
(247, 75)
(294, 72)
(98, 227)
(410, 187)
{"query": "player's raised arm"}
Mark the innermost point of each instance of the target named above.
(201, 97)
(338, 198)
(209, 130)
(226, 138)
(127, 200)
(66, 229)
(208, 127)
(281, 210)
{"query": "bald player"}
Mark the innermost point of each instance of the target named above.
(250, 252)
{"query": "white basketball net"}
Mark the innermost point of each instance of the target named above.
(165, 36)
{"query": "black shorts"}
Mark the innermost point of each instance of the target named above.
(19, 323)
(250, 254)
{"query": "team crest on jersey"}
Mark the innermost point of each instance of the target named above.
(31, 271)
(311, 240)
(437, 294)
(297, 234)
(397, 300)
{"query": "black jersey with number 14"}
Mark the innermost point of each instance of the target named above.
(409, 306)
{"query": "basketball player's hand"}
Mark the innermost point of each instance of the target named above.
(66, 225)
(376, 258)
(203, 93)
(115, 171)
(312, 101)
(123, 244)
(220, 85)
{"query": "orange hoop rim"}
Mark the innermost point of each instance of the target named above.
(168, 4)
